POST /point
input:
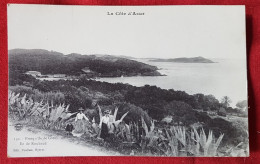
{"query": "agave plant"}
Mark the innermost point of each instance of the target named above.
(150, 136)
(12, 97)
(209, 144)
(134, 132)
(148, 132)
(238, 150)
(180, 134)
(42, 112)
(59, 112)
(116, 122)
(112, 119)
(57, 115)
(172, 147)
(20, 104)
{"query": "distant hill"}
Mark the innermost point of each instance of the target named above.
(184, 60)
(51, 62)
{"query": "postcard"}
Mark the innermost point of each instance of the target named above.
(167, 81)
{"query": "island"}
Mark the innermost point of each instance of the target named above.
(44, 63)
(184, 60)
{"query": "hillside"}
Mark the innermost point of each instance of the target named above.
(184, 60)
(51, 62)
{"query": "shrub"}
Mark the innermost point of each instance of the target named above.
(77, 100)
(24, 90)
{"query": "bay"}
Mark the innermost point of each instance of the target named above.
(226, 77)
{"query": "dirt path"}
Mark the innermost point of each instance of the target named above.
(32, 142)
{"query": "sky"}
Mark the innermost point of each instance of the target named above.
(162, 32)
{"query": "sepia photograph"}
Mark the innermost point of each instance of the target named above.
(168, 81)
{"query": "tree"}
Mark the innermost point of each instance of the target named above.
(222, 112)
(181, 112)
(242, 105)
(225, 101)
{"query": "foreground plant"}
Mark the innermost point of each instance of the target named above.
(209, 144)
(38, 112)
(172, 141)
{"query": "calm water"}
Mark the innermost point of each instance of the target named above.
(225, 78)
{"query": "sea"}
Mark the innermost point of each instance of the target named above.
(225, 77)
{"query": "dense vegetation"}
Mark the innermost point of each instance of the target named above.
(50, 62)
(133, 138)
(150, 102)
